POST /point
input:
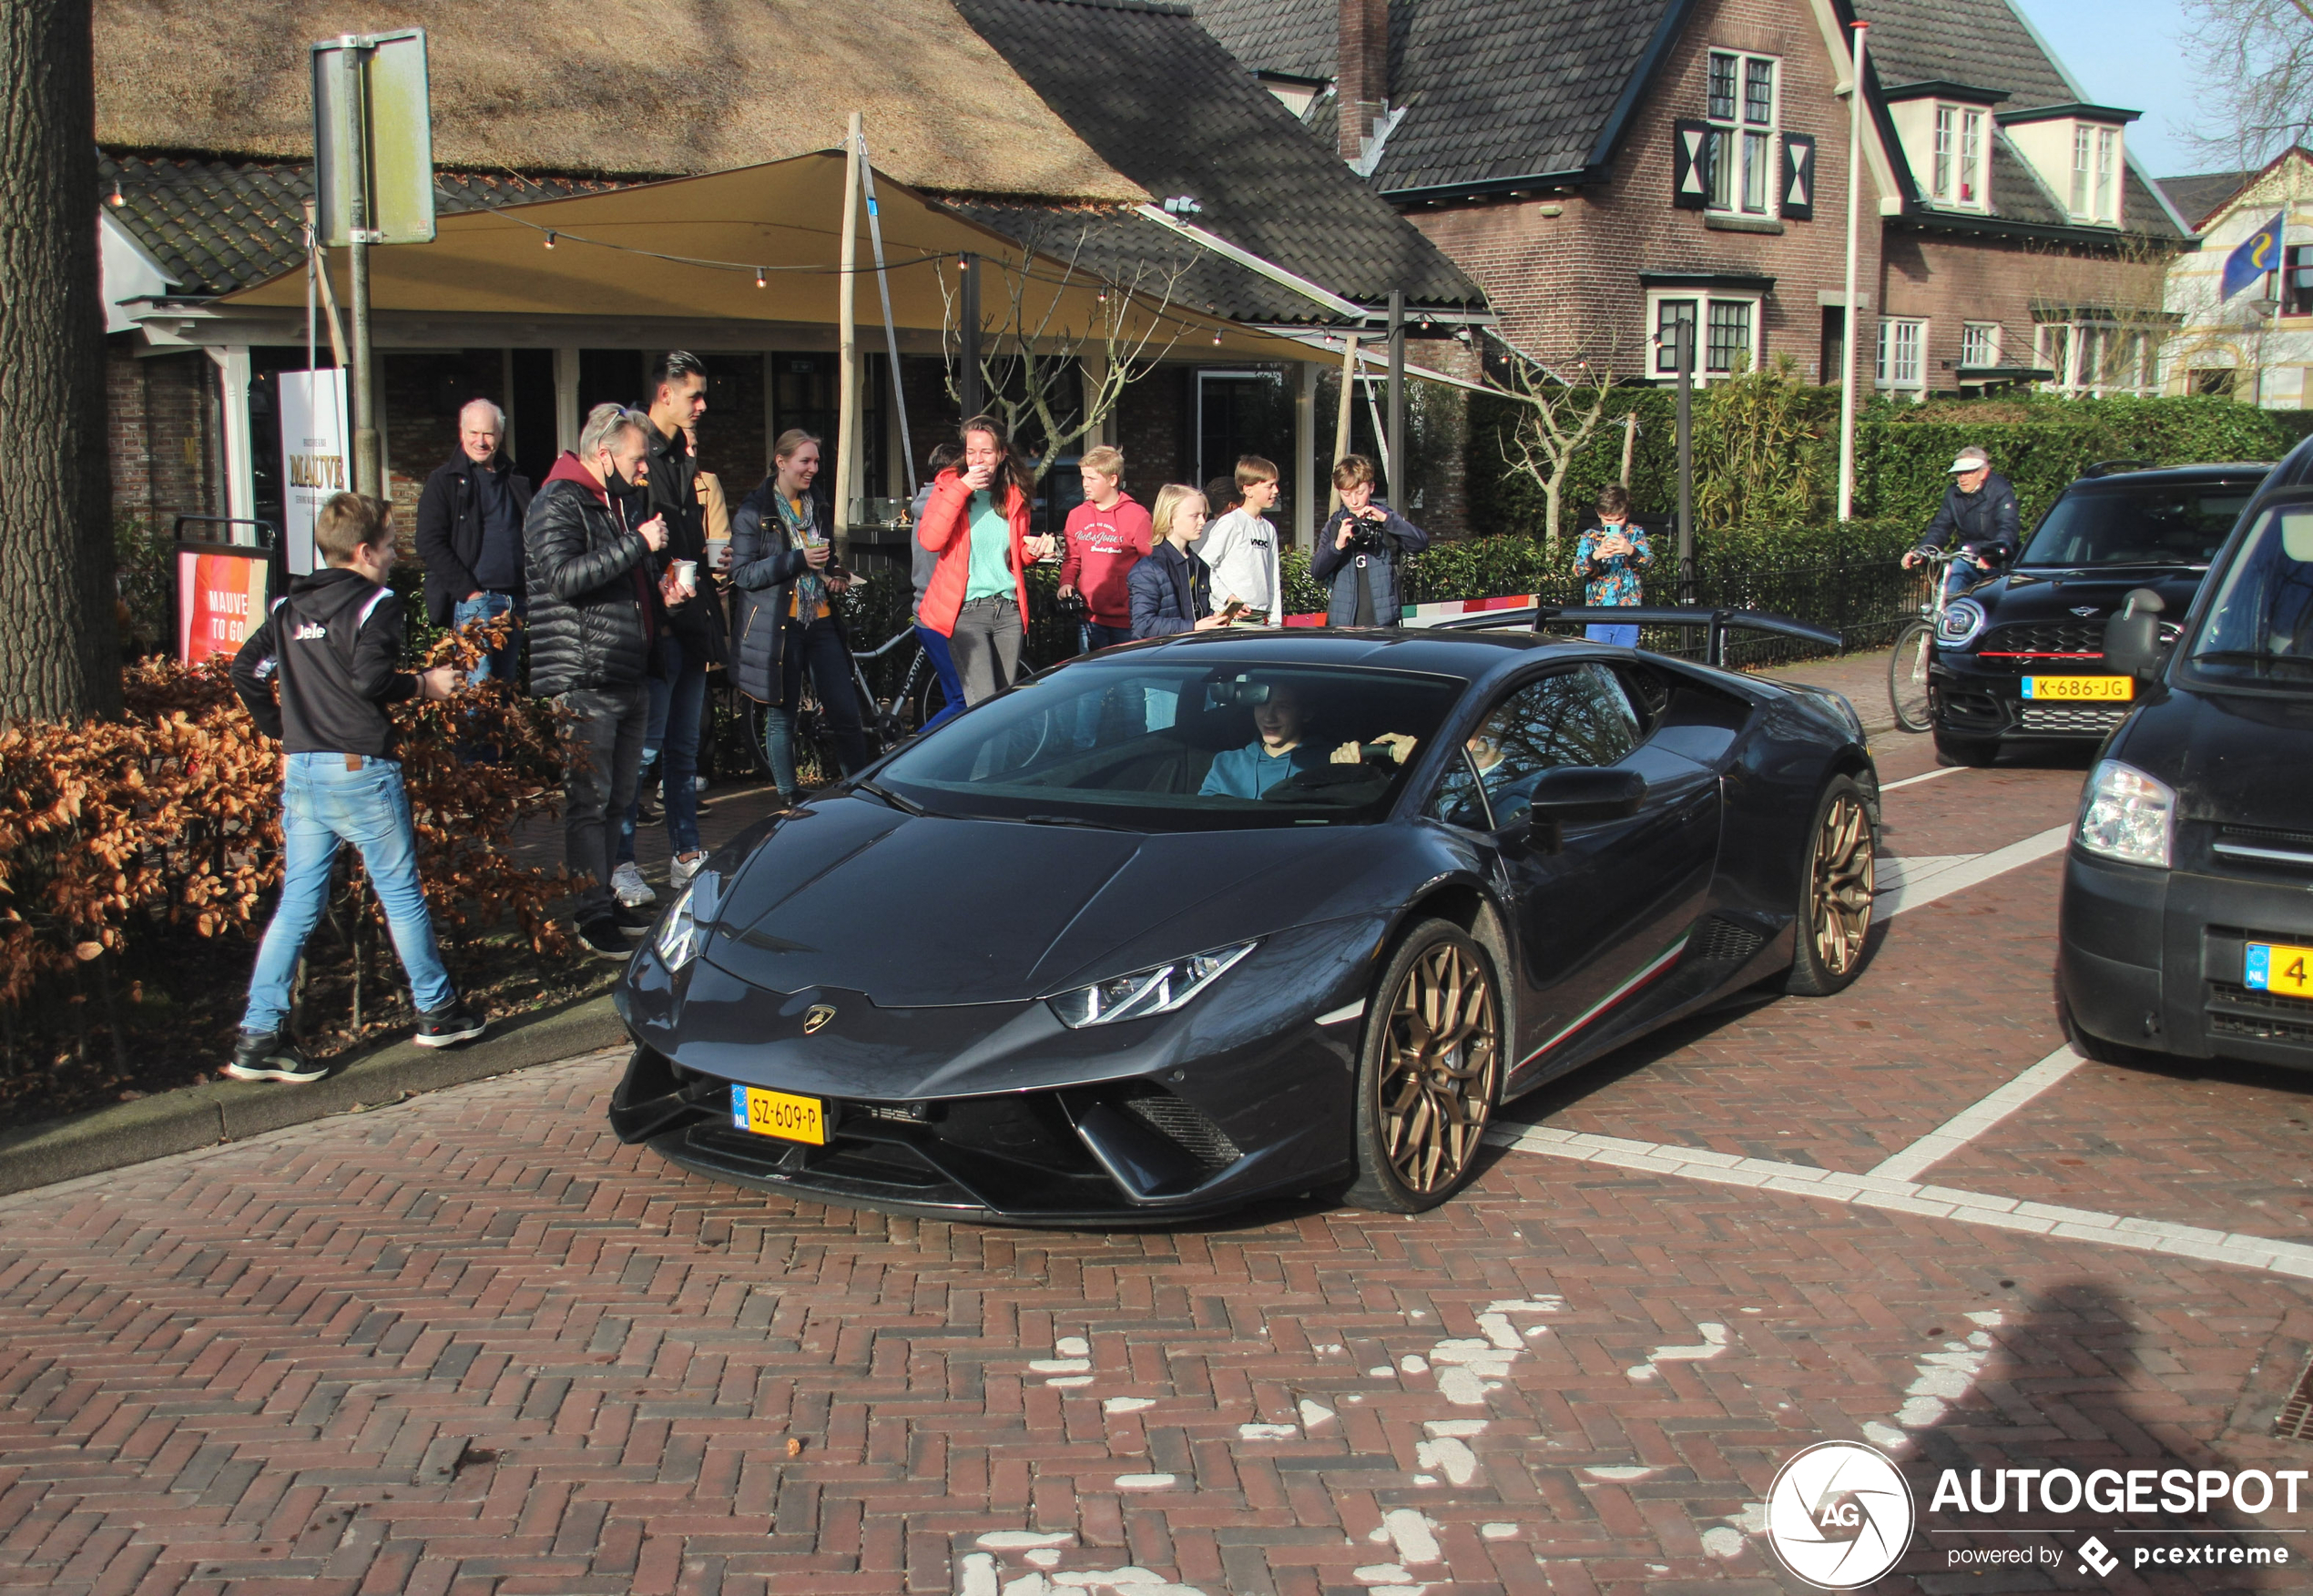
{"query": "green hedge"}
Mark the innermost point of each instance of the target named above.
(2040, 442)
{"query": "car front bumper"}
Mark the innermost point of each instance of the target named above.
(1976, 699)
(2154, 960)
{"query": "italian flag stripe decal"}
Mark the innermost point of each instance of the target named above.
(1652, 968)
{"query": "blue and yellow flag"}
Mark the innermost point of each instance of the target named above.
(2259, 253)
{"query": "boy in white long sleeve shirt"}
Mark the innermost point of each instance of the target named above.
(1241, 547)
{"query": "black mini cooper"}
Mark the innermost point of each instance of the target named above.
(2021, 656)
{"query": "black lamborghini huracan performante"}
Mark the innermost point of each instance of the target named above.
(1193, 921)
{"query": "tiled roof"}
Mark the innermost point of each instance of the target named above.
(218, 225)
(1982, 42)
(2197, 197)
(1496, 89)
(1178, 114)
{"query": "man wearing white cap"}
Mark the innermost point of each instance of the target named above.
(1979, 510)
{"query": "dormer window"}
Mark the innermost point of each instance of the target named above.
(1945, 128)
(1958, 168)
(2081, 153)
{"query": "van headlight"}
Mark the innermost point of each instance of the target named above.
(2127, 815)
(1158, 989)
(1963, 619)
(683, 932)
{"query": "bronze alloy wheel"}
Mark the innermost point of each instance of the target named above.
(1440, 1059)
(1840, 876)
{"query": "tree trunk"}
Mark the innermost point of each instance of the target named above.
(1549, 506)
(58, 656)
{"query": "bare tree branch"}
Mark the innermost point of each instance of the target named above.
(2253, 60)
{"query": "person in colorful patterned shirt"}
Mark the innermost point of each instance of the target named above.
(1609, 559)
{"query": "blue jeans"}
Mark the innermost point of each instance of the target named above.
(1092, 634)
(678, 705)
(324, 804)
(1620, 637)
(943, 665)
(819, 646)
(506, 663)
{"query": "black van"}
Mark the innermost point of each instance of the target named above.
(2187, 915)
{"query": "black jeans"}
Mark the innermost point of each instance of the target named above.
(603, 753)
(821, 647)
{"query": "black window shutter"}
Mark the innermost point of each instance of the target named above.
(1690, 181)
(1799, 176)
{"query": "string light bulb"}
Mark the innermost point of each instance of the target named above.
(118, 198)
(550, 240)
(1216, 335)
(759, 281)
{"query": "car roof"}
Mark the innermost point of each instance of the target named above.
(2248, 471)
(1471, 654)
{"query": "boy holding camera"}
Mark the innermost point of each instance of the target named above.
(1609, 559)
(1359, 551)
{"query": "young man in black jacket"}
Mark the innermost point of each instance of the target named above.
(470, 535)
(334, 642)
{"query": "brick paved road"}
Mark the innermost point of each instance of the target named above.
(471, 1345)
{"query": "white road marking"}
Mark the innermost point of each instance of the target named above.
(1969, 1122)
(1930, 776)
(1872, 1191)
(1998, 862)
(1895, 872)
(1713, 1342)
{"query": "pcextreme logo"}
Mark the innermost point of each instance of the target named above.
(1839, 1515)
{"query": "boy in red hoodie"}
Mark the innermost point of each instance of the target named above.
(1107, 535)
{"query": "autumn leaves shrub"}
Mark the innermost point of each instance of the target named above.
(111, 832)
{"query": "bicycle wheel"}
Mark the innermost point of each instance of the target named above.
(927, 698)
(1908, 676)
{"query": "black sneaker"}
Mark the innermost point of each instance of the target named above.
(631, 920)
(267, 1056)
(447, 1027)
(602, 937)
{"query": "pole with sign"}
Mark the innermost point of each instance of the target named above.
(374, 171)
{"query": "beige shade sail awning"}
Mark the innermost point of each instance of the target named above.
(762, 244)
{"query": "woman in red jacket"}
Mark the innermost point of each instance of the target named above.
(977, 523)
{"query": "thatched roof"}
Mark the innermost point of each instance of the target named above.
(683, 86)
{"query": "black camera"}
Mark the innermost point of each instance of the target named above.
(1367, 536)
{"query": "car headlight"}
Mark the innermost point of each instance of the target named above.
(2127, 815)
(684, 931)
(1963, 619)
(1157, 990)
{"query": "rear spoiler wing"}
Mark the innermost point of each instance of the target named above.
(1716, 622)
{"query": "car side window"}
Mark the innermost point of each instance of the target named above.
(1577, 716)
(1459, 801)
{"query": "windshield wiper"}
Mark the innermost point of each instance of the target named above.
(2255, 656)
(906, 806)
(1077, 820)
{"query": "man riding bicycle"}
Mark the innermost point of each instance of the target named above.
(1980, 511)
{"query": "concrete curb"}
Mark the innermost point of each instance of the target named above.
(233, 1111)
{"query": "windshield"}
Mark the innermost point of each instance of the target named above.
(2138, 524)
(2260, 627)
(1157, 744)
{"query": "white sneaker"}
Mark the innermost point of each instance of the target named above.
(680, 870)
(626, 885)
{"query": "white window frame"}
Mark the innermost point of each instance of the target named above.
(2083, 342)
(1975, 158)
(2107, 175)
(1899, 336)
(2080, 160)
(1956, 169)
(1662, 359)
(1740, 152)
(1978, 345)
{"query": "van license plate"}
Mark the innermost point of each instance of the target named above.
(779, 1113)
(2277, 967)
(2109, 689)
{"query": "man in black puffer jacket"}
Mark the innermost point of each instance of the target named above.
(592, 624)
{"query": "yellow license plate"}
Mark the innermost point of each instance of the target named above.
(779, 1113)
(2108, 689)
(2276, 966)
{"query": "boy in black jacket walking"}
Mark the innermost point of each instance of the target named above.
(334, 643)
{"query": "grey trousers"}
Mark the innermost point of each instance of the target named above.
(985, 645)
(603, 755)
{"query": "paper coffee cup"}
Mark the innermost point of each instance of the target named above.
(686, 576)
(716, 547)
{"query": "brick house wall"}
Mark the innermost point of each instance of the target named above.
(1951, 280)
(1565, 284)
(163, 434)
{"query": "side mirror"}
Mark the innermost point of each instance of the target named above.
(2131, 639)
(1575, 794)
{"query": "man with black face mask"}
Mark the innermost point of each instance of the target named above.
(596, 592)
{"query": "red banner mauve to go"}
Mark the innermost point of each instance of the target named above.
(220, 600)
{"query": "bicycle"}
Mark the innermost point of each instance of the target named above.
(884, 723)
(1915, 646)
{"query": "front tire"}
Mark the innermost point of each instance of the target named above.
(1834, 925)
(1429, 1072)
(1908, 676)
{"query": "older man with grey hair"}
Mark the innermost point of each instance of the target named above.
(470, 535)
(598, 595)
